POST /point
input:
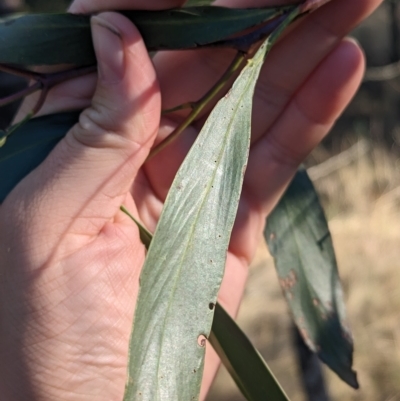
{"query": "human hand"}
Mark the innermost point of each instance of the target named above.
(70, 260)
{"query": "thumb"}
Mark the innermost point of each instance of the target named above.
(90, 172)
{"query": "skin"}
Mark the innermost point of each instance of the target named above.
(70, 260)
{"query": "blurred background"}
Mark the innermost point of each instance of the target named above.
(357, 174)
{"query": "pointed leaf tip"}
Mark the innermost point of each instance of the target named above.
(298, 237)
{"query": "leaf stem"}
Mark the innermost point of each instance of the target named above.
(184, 106)
(42, 81)
(5, 134)
(199, 106)
(245, 42)
(19, 72)
(20, 94)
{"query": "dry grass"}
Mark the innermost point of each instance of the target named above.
(363, 204)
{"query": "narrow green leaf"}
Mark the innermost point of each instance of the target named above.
(197, 3)
(186, 259)
(243, 361)
(29, 145)
(39, 39)
(145, 235)
(298, 237)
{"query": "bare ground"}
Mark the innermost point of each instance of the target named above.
(363, 206)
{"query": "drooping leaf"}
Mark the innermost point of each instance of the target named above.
(298, 237)
(242, 360)
(40, 39)
(186, 259)
(28, 146)
(244, 363)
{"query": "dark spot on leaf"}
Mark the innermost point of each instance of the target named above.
(321, 241)
(194, 370)
(211, 306)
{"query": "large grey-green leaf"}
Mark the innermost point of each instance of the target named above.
(243, 361)
(29, 145)
(298, 237)
(186, 259)
(39, 39)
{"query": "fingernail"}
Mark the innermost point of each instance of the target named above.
(109, 51)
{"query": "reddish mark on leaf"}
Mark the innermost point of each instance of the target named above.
(287, 283)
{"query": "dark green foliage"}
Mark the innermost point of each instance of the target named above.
(40, 39)
(27, 147)
(242, 360)
(298, 237)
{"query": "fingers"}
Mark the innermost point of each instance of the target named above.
(250, 3)
(306, 120)
(91, 6)
(289, 64)
(293, 60)
(230, 296)
(87, 177)
(76, 94)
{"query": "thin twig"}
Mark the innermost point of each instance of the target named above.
(5, 134)
(199, 106)
(184, 106)
(20, 94)
(385, 73)
(40, 102)
(339, 161)
(245, 42)
(42, 81)
(20, 72)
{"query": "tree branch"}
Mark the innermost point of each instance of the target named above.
(385, 73)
